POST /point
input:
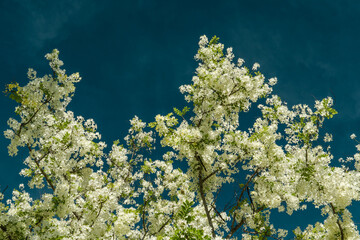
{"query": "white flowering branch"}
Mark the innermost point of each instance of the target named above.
(125, 194)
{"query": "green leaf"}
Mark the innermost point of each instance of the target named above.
(214, 40)
(15, 96)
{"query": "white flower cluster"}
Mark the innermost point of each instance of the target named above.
(276, 164)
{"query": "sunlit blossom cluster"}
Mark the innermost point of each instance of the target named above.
(283, 163)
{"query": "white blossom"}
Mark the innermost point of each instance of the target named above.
(129, 193)
(255, 66)
(328, 137)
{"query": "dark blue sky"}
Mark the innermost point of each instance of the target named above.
(133, 56)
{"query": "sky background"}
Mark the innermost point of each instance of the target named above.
(133, 56)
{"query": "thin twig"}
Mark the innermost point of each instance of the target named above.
(211, 174)
(5, 189)
(248, 182)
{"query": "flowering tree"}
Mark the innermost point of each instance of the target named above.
(279, 163)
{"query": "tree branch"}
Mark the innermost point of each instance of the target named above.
(143, 220)
(247, 183)
(5, 189)
(203, 198)
(211, 174)
(42, 170)
(234, 229)
(338, 222)
(162, 227)
(28, 121)
(101, 205)
(251, 202)
(217, 212)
